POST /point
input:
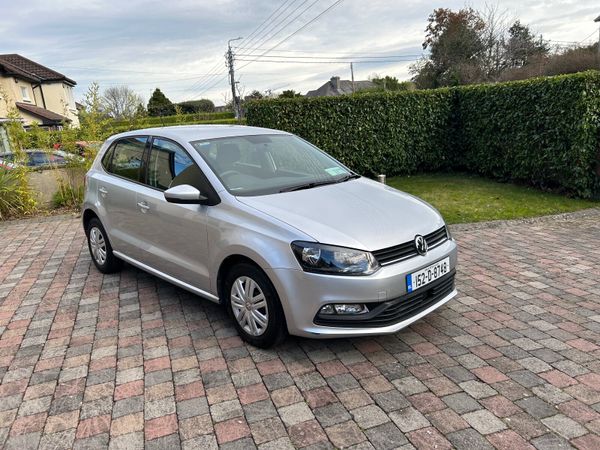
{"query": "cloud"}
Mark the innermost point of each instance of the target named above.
(174, 45)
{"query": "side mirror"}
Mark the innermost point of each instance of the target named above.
(185, 194)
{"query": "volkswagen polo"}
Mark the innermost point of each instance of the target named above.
(281, 234)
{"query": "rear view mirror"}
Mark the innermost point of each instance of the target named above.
(184, 194)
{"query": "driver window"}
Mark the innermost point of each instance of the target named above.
(168, 161)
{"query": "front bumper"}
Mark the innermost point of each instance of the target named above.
(302, 295)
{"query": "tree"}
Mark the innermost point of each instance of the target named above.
(469, 46)
(254, 95)
(523, 46)
(93, 119)
(160, 105)
(197, 106)
(290, 93)
(121, 102)
(455, 44)
(389, 83)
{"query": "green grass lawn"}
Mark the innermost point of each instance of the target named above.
(463, 198)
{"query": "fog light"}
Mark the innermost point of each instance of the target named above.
(344, 309)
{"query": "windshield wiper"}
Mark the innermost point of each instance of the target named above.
(351, 176)
(308, 185)
(319, 183)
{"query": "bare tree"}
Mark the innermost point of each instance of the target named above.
(493, 35)
(121, 102)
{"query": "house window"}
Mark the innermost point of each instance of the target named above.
(25, 94)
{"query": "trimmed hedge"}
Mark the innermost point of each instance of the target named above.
(145, 124)
(175, 120)
(544, 131)
(392, 133)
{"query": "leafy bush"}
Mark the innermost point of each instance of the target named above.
(544, 131)
(15, 198)
(68, 196)
(175, 119)
(139, 126)
(392, 133)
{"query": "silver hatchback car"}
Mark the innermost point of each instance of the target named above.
(281, 234)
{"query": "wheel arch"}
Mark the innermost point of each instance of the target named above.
(88, 215)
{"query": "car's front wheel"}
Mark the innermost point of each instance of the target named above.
(254, 306)
(100, 248)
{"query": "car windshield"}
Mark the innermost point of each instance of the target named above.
(268, 164)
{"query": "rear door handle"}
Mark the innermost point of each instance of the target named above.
(103, 191)
(145, 207)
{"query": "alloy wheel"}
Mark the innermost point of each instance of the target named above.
(98, 245)
(249, 306)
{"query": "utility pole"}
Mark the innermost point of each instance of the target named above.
(352, 71)
(598, 20)
(230, 63)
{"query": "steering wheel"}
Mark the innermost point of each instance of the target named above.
(228, 173)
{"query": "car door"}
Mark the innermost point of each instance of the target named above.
(125, 174)
(174, 237)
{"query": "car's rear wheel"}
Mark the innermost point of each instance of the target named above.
(100, 248)
(254, 306)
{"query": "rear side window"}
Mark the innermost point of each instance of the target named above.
(106, 159)
(128, 158)
(167, 162)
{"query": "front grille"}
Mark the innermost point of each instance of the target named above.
(394, 311)
(407, 250)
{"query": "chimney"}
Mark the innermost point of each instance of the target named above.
(335, 81)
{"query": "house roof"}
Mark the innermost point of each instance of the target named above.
(335, 86)
(48, 117)
(21, 67)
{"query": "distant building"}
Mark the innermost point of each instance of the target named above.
(41, 95)
(336, 86)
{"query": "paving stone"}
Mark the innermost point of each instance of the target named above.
(369, 416)
(565, 426)
(461, 403)
(484, 422)
(296, 413)
(536, 407)
(409, 419)
(331, 414)
(469, 438)
(386, 437)
(259, 411)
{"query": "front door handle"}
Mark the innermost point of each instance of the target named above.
(145, 207)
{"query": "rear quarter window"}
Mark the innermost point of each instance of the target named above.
(128, 158)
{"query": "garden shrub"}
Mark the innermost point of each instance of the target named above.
(392, 133)
(543, 131)
(15, 196)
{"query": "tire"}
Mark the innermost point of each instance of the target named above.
(258, 317)
(100, 248)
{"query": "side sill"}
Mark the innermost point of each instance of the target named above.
(169, 278)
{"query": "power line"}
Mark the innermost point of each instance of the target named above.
(277, 31)
(213, 85)
(328, 62)
(266, 29)
(593, 33)
(337, 2)
(248, 38)
(351, 57)
(101, 69)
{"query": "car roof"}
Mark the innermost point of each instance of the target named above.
(190, 133)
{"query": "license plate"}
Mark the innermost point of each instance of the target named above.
(427, 275)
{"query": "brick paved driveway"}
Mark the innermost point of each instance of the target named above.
(90, 361)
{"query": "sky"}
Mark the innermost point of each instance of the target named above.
(179, 45)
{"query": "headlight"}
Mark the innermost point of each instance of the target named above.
(332, 260)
